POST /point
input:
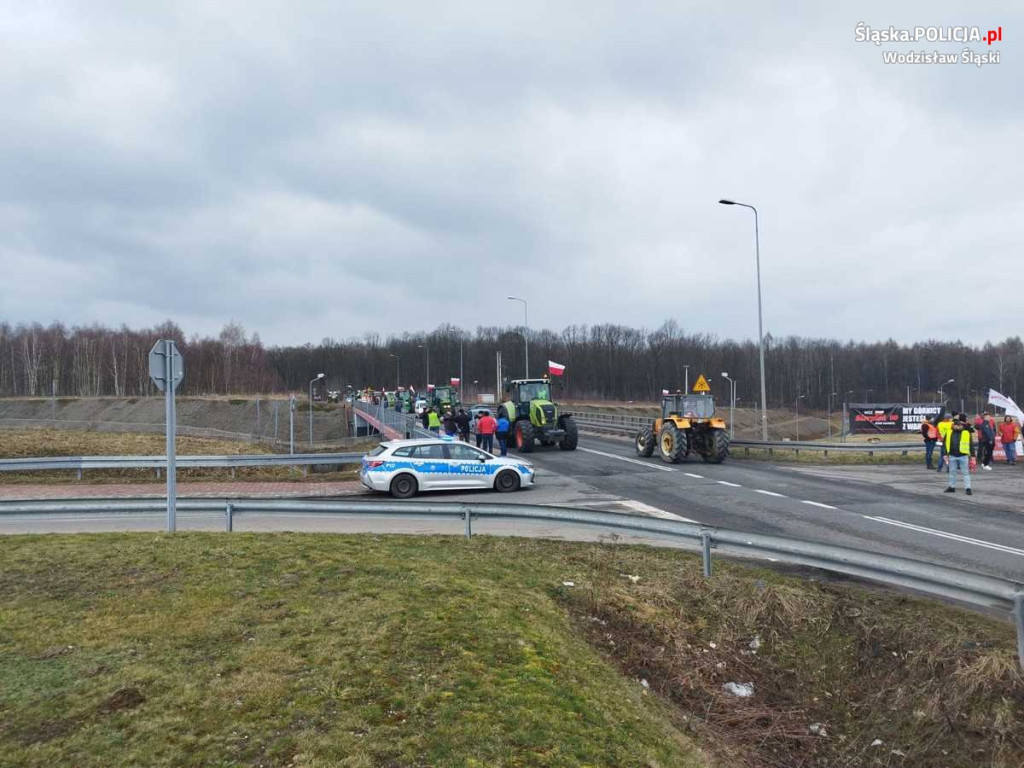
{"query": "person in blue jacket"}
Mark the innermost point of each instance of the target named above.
(502, 432)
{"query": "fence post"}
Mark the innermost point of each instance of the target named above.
(79, 474)
(229, 514)
(469, 525)
(1018, 614)
(705, 543)
(157, 473)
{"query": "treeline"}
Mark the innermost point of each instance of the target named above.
(608, 361)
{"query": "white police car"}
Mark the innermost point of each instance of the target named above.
(403, 467)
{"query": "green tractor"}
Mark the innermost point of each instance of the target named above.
(404, 402)
(443, 398)
(532, 416)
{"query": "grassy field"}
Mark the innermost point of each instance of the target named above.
(27, 443)
(315, 650)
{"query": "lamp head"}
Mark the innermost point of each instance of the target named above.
(727, 202)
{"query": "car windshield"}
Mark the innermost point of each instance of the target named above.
(378, 450)
(538, 391)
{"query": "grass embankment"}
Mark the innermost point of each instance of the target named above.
(36, 443)
(805, 456)
(206, 649)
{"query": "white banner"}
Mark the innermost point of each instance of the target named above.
(994, 398)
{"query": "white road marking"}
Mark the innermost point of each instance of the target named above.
(691, 474)
(647, 509)
(818, 504)
(726, 482)
(946, 535)
(648, 464)
(770, 493)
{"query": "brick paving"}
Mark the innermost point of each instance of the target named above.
(185, 490)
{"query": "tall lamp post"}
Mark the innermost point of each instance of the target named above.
(526, 331)
(686, 384)
(942, 396)
(846, 399)
(311, 383)
(398, 370)
(798, 399)
(732, 404)
(830, 396)
(760, 323)
(427, 348)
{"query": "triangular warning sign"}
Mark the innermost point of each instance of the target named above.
(701, 385)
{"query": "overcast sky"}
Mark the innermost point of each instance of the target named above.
(332, 168)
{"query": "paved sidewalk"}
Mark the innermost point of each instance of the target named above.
(185, 490)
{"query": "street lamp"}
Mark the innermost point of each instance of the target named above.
(398, 370)
(866, 391)
(942, 396)
(760, 323)
(830, 396)
(686, 370)
(798, 399)
(842, 433)
(311, 383)
(427, 348)
(732, 403)
(526, 331)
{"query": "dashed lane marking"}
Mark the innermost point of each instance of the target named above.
(691, 474)
(647, 509)
(770, 493)
(726, 482)
(947, 535)
(818, 504)
(649, 465)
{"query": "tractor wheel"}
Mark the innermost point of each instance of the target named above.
(719, 447)
(572, 434)
(644, 442)
(524, 436)
(673, 443)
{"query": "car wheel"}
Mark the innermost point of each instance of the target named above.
(403, 487)
(507, 481)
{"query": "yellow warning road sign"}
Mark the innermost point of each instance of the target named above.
(701, 385)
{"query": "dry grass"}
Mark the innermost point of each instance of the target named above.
(31, 443)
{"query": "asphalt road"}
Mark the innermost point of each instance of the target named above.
(852, 511)
(895, 510)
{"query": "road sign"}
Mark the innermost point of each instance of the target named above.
(701, 385)
(158, 359)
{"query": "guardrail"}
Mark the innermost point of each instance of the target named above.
(973, 588)
(80, 463)
(625, 425)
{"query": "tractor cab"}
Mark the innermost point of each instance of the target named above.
(445, 397)
(688, 406)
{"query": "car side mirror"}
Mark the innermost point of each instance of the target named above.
(482, 459)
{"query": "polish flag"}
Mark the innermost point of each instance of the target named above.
(430, 387)
(455, 382)
(555, 369)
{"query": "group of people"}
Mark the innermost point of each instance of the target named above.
(960, 441)
(486, 427)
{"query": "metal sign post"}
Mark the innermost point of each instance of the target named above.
(167, 369)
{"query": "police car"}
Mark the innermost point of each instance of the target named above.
(403, 467)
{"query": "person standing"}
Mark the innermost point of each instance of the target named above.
(486, 427)
(449, 423)
(960, 449)
(433, 422)
(986, 441)
(943, 427)
(476, 427)
(501, 432)
(1008, 434)
(931, 436)
(425, 418)
(462, 423)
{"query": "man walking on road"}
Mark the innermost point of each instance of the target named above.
(986, 441)
(462, 422)
(960, 448)
(502, 433)
(943, 427)
(485, 428)
(931, 436)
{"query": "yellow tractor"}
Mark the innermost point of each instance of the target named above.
(687, 425)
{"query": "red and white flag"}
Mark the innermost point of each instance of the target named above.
(430, 387)
(664, 392)
(555, 369)
(455, 382)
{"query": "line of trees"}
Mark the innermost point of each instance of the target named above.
(608, 361)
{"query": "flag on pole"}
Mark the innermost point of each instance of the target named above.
(455, 382)
(664, 392)
(1004, 402)
(430, 387)
(555, 369)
